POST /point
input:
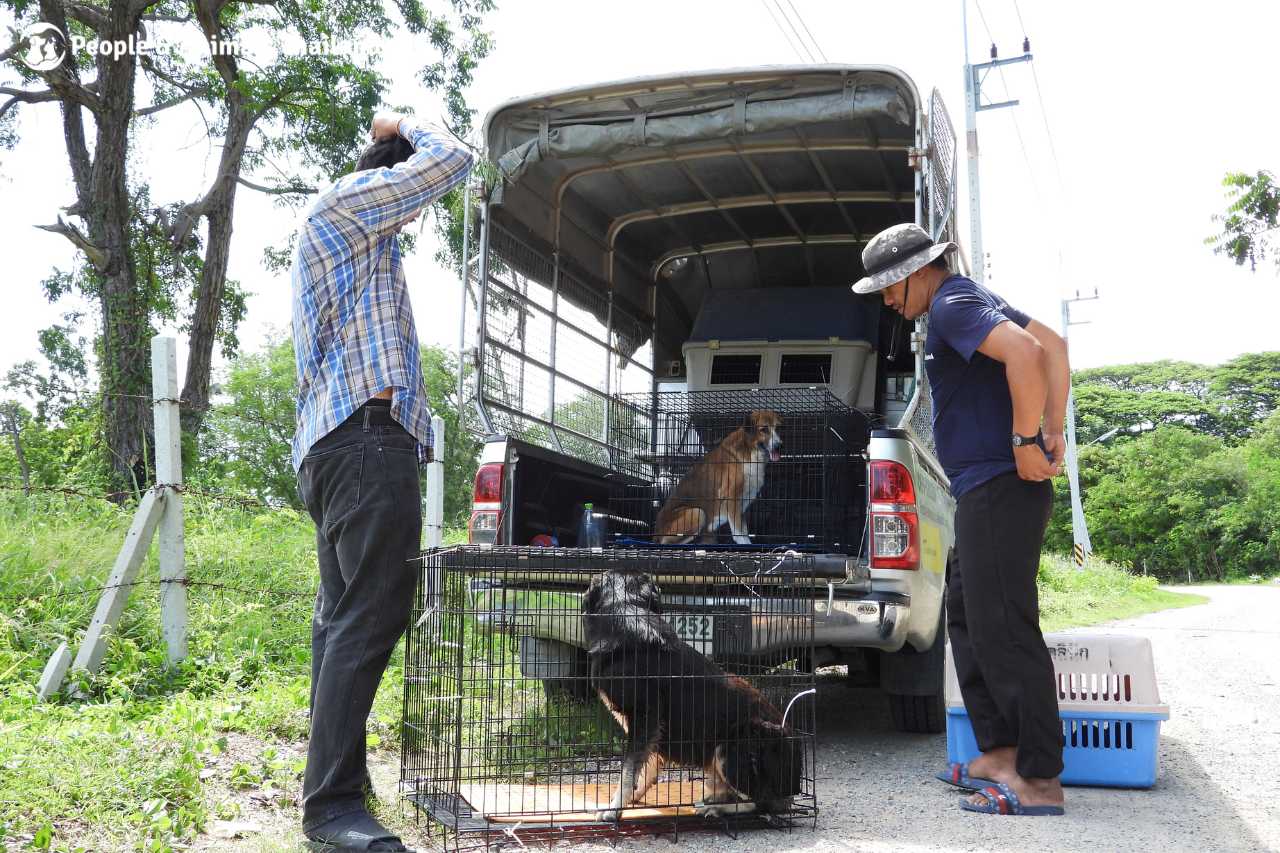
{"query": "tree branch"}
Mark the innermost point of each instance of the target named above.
(18, 96)
(90, 16)
(149, 65)
(164, 105)
(27, 96)
(85, 95)
(287, 189)
(96, 254)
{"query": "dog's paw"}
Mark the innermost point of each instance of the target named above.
(609, 815)
(715, 811)
(710, 811)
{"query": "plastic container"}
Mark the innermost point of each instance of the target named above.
(1109, 704)
(590, 528)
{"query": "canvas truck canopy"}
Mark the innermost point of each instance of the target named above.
(656, 191)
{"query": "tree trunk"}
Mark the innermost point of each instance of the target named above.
(16, 432)
(219, 209)
(125, 366)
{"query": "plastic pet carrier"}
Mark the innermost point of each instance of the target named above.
(1109, 704)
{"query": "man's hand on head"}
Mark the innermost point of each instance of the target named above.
(385, 126)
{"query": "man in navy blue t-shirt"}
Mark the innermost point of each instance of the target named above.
(1000, 381)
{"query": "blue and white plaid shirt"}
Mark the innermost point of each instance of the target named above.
(353, 332)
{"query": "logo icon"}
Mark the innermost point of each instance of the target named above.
(46, 47)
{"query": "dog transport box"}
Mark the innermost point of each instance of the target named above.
(510, 737)
(1109, 704)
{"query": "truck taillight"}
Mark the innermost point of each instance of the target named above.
(488, 488)
(486, 505)
(483, 528)
(895, 526)
(891, 483)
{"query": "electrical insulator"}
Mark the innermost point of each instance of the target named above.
(993, 50)
(1026, 45)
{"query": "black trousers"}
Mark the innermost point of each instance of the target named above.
(360, 485)
(993, 617)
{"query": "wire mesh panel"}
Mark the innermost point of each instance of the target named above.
(773, 467)
(556, 349)
(918, 418)
(942, 166)
(565, 691)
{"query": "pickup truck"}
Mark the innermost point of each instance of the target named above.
(697, 234)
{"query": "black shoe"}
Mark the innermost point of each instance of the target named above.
(355, 831)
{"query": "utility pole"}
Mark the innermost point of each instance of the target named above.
(1079, 530)
(973, 77)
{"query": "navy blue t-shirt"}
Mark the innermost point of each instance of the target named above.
(972, 409)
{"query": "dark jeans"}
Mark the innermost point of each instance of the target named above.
(360, 484)
(993, 617)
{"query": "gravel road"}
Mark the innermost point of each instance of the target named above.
(1218, 667)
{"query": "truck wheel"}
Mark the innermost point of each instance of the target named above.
(914, 682)
(917, 714)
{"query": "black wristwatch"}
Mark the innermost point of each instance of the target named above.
(1023, 440)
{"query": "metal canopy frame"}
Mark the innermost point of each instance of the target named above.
(591, 229)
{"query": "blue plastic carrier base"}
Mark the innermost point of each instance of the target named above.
(1111, 750)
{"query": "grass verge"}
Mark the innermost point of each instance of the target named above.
(1100, 592)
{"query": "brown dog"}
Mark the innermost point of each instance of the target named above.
(722, 485)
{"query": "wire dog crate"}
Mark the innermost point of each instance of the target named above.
(566, 693)
(775, 467)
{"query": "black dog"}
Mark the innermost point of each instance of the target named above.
(676, 706)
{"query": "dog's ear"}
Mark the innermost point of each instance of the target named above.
(651, 594)
(749, 421)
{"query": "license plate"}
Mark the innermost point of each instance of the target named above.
(696, 629)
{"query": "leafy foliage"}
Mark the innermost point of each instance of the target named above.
(1226, 401)
(1189, 484)
(1251, 220)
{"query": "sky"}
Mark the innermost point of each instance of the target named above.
(1148, 108)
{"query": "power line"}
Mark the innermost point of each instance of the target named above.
(1053, 149)
(1017, 128)
(812, 40)
(781, 12)
(1020, 24)
(778, 24)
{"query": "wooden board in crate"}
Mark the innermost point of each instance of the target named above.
(574, 803)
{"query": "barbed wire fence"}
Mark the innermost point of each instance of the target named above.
(166, 496)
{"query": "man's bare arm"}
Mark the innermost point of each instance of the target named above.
(1025, 369)
(1057, 374)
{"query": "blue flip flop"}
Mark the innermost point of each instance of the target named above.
(958, 775)
(1003, 801)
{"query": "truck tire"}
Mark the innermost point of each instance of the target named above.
(914, 682)
(917, 714)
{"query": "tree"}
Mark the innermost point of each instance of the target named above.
(1251, 220)
(298, 114)
(1227, 400)
(1245, 391)
(1156, 502)
(247, 446)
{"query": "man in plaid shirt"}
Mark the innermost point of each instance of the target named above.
(363, 425)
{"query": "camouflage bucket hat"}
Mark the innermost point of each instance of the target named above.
(895, 253)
